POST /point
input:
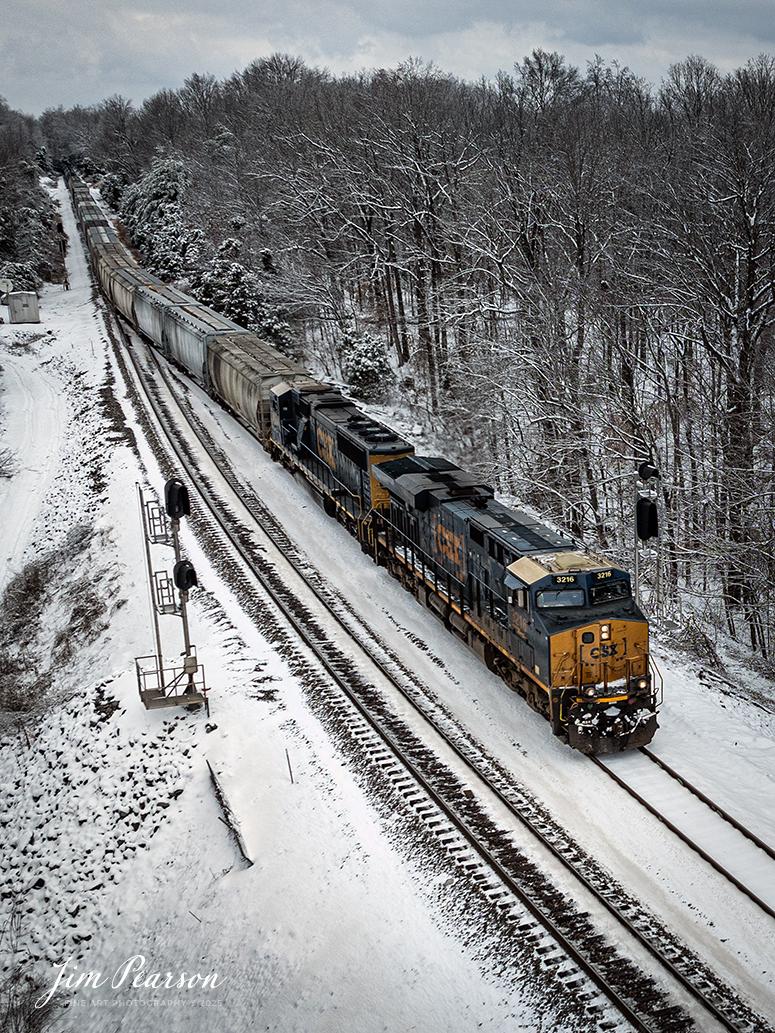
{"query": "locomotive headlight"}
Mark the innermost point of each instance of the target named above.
(605, 632)
(590, 692)
(643, 683)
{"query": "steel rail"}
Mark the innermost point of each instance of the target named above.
(468, 834)
(709, 802)
(765, 907)
(585, 964)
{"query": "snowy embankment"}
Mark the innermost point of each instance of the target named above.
(113, 843)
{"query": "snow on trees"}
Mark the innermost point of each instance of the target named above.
(365, 365)
(29, 247)
(573, 271)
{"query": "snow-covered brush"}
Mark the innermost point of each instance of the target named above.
(7, 463)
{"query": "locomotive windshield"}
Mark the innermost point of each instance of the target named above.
(556, 598)
(608, 592)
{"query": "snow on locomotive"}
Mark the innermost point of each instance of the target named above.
(557, 623)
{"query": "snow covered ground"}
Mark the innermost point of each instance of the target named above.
(115, 856)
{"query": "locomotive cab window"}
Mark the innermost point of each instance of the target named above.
(609, 592)
(559, 598)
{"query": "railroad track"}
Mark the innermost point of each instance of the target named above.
(731, 849)
(471, 806)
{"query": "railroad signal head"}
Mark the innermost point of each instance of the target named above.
(646, 471)
(176, 499)
(646, 519)
(184, 576)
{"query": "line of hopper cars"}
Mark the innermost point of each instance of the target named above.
(557, 623)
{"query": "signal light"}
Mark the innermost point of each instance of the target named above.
(176, 499)
(184, 575)
(646, 519)
(646, 471)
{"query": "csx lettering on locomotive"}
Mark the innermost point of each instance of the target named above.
(326, 446)
(449, 547)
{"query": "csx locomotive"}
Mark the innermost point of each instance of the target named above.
(557, 623)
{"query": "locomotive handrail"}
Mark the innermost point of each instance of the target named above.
(341, 486)
(656, 678)
(560, 671)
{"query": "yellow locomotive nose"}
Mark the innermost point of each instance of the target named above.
(601, 660)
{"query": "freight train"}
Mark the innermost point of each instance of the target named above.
(556, 622)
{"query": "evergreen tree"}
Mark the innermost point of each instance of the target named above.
(228, 286)
(365, 364)
(151, 210)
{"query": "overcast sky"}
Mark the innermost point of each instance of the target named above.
(71, 52)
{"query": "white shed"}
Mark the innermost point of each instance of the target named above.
(23, 307)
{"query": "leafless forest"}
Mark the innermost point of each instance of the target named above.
(565, 273)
